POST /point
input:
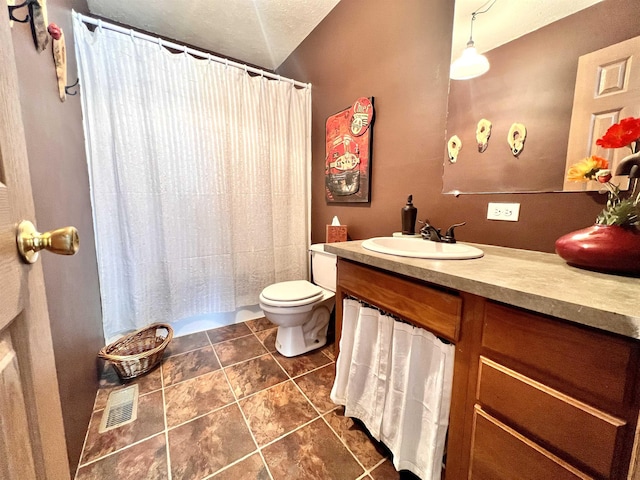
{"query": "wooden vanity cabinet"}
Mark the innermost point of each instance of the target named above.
(433, 308)
(534, 397)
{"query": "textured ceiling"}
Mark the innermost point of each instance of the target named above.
(259, 32)
(265, 32)
(507, 20)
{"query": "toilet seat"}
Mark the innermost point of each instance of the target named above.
(291, 294)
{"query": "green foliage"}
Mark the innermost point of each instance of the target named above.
(623, 212)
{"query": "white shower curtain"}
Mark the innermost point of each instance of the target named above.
(397, 379)
(199, 179)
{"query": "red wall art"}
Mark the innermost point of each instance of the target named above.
(348, 153)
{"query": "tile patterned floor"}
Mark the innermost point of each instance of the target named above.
(225, 404)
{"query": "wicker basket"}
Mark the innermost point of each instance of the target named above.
(138, 352)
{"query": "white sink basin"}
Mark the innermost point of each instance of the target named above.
(419, 248)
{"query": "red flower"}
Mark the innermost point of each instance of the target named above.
(621, 134)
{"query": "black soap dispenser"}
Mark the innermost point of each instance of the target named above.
(409, 214)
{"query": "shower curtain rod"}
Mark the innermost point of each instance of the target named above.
(184, 48)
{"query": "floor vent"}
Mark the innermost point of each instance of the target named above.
(122, 408)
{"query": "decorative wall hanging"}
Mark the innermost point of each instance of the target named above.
(454, 145)
(59, 59)
(348, 136)
(37, 18)
(516, 138)
(483, 132)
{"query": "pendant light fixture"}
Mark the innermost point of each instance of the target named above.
(471, 64)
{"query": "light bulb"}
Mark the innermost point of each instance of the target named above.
(470, 64)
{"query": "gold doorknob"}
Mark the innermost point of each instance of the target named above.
(63, 241)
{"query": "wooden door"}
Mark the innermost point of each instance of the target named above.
(607, 90)
(32, 441)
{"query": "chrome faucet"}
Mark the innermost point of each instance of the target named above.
(429, 232)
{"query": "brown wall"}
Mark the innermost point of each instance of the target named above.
(399, 53)
(55, 144)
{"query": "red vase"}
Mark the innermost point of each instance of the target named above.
(607, 248)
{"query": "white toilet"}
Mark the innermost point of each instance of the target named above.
(301, 309)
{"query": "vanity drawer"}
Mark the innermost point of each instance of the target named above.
(566, 426)
(433, 309)
(500, 453)
(589, 365)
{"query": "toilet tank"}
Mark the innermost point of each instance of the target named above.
(323, 267)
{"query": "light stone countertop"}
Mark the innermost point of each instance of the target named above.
(537, 281)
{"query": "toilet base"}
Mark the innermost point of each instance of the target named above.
(299, 339)
(289, 343)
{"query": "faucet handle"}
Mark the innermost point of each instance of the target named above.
(429, 232)
(450, 235)
(426, 224)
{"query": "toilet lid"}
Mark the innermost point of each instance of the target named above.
(293, 291)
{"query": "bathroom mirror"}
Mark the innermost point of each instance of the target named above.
(533, 50)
